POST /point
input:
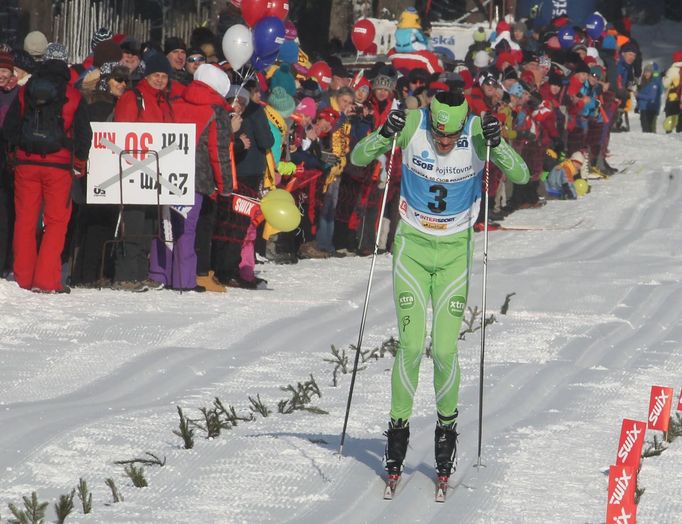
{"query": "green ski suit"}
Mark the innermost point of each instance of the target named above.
(433, 248)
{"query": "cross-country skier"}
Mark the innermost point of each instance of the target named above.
(443, 156)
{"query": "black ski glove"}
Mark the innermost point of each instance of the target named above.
(491, 130)
(394, 123)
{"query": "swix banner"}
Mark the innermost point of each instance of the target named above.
(630, 443)
(148, 163)
(660, 403)
(245, 206)
(621, 507)
(679, 403)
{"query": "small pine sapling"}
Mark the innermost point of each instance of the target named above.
(185, 432)
(152, 460)
(389, 346)
(229, 415)
(33, 512)
(639, 491)
(64, 507)
(84, 496)
(655, 449)
(257, 406)
(675, 427)
(115, 493)
(340, 362)
(505, 306)
(136, 475)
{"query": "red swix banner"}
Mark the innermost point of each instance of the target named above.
(630, 443)
(244, 205)
(621, 508)
(659, 407)
(679, 403)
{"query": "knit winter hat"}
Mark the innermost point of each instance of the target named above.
(384, 82)
(515, 89)
(609, 42)
(409, 19)
(106, 51)
(173, 43)
(307, 107)
(99, 36)
(581, 67)
(628, 47)
(310, 88)
(555, 79)
(479, 35)
(283, 78)
(56, 51)
(214, 77)
(6, 61)
(35, 44)
(282, 102)
(111, 70)
(579, 157)
(22, 60)
(155, 62)
(130, 45)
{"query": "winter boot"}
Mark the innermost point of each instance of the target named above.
(210, 282)
(445, 447)
(398, 436)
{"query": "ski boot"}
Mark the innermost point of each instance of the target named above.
(398, 436)
(445, 450)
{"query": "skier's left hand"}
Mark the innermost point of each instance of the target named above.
(491, 130)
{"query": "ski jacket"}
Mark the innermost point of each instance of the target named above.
(147, 104)
(203, 106)
(440, 194)
(74, 115)
(255, 126)
(649, 94)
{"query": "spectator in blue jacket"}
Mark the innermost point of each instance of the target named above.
(649, 97)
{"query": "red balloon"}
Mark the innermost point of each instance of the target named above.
(322, 73)
(363, 34)
(253, 11)
(278, 8)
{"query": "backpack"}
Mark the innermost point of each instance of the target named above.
(42, 124)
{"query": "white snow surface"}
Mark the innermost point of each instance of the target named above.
(94, 377)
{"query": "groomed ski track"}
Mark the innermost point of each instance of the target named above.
(94, 377)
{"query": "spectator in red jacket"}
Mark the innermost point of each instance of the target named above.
(43, 181)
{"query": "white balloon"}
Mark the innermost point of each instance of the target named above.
(238, 45)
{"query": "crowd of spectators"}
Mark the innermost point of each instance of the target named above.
(288, 127)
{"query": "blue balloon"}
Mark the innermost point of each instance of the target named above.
(288, 53)
(566, 37)
(594, 26)
(261, 63)
(268, 36)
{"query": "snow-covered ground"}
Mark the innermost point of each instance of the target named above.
(95, 377)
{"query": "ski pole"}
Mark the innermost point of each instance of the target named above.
(367, 293)
(486, 180)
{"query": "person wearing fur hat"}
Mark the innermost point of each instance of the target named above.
(23, 66)
(94, 224)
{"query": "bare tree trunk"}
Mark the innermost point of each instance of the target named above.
(40, 16)
(340, 19)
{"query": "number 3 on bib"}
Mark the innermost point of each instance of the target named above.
(441, 194)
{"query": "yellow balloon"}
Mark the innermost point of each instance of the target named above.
(281, 214)
(669, 123)
(278, 194)
(581, 186)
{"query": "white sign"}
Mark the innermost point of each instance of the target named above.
(123, 155)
